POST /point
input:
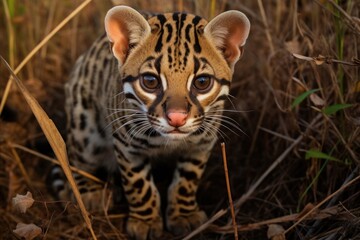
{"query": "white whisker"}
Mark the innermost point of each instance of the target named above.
(141, 128)
(221, 121)
(132, 121)
(231, 102)
(229, 110)
(214, 130)
(119, 119)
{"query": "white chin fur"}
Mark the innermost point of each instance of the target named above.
(175, 136)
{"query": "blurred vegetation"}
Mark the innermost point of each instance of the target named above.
(297, 90)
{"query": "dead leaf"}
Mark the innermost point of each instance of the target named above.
(302, 57)
(23, 202)
(308, 207)
(27, 231)
(276, 232)
(293, 46)
(300, 83)
(319, 60)
(318, 101)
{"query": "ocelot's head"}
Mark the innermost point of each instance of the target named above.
(176, 67)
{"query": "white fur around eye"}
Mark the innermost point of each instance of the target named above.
(189, 82)
(128, 89)
(224, 91)
(202, 97)
(150, 96)
(163, 82)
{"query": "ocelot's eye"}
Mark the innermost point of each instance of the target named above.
(149, 82)
(203, 83)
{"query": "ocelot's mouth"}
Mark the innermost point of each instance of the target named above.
(176, 135)
(176, 131)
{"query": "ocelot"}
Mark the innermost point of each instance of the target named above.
(157, 91)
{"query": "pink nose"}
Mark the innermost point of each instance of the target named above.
(177, 119)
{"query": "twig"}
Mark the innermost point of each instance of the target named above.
(286, 138)
(259, 123)
(10, 30)
(319, 60)
(333, 200)
(323, 214)
(351, 152)
(223, 151)
(251, 190)
(268, 35)
(321, 203)
(54, 161)
(20, 165)
(347, 16)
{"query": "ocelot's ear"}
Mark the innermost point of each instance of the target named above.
(125, 28)
(229, 31)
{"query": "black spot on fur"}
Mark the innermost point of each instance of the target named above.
(197, 46)
(158, 64)
(159, 44)
(145, 212)
(187, 174)
(86, 141)
(102, 173)
(186, 203)
(72, 122)
(170, 32)
(124, 181)
(82, 121)
(137, 169)
(184, 192)
(193, 161)
(139, 183)
(185, 211)
(101, 131)
(187, 32)
(120, 139)
(98, 150)
(196, 65)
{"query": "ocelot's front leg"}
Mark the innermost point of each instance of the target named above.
(144, 220)
(183, 213)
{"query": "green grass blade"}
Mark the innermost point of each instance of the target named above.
(335, 108)
(314, 153)
(11, 7)
(302, 97)
(313, 182)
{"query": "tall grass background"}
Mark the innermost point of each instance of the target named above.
(295, 93)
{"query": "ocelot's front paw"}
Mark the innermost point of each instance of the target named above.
(183, 224)
(95, 200)
(142, 230)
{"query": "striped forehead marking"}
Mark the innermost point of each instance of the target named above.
(177, 34)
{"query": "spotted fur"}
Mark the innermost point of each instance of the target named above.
(159, 92)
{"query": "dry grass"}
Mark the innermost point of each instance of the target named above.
(297, 164)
